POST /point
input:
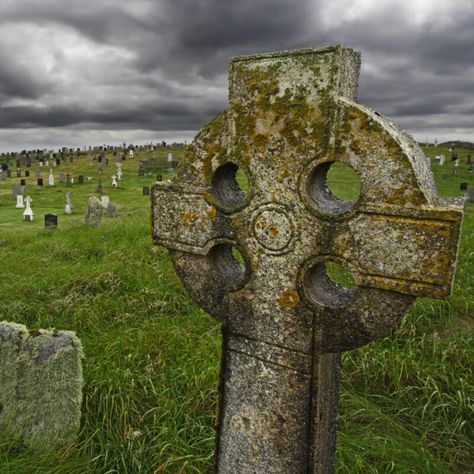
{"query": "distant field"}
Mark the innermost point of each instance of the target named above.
(153, 357)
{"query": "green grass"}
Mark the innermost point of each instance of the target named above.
(153, 357)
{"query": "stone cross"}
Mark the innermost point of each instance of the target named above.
(292, 115)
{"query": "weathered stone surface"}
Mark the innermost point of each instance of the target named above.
(94, 212)
(291, 115)
(40, 385)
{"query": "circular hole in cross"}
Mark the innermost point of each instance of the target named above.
(230, 264)
(333, 187)
(329, 284)
(229, 186)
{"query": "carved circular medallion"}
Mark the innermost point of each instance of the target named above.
(273, 229)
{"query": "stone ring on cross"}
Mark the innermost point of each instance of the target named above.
(291, 116)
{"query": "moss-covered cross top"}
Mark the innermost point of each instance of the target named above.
(291, 115)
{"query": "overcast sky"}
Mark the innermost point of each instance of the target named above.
(75, 72)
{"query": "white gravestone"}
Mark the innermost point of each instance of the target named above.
(51, 177)
(28, 212)
(114, 181)
(19, 201)
(68, 206)
(104, 201)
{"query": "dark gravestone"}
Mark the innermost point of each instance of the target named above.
(146, 191)
(58, 161)
(285, 321)
(9, 173)
(27, 173)
(23, 182)
(40, 182)
(463, 186)
(51, 221)
(80, 179)
(4, 166)
(100, 188)
(159, 177)
(27, 218)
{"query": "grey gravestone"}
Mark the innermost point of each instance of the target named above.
(285, 321)
(94, 212)
(100, 188)
(51, 221)
(62, 178)
(3, 176)
(38, 173)
(463, 186)
(40, 385)
(68, 179)
(9, 173)
(16, 190)
(112, 210)
(146, 191)
(471, 195)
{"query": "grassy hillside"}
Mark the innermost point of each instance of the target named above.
(152, 356)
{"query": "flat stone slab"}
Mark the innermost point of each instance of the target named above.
(40, 385)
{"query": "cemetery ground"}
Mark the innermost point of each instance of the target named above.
(153, 357)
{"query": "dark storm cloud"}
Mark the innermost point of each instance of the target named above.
(162, 65)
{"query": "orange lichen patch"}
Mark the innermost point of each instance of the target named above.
(289, 299)
(273, 231)
(211, 212)
(189, 217)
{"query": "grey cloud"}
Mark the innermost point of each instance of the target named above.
(162, 64)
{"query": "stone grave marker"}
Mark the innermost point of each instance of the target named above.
(16, 190)
(146, 190)
(94, 212)
(471, 195)
(159, 177)
(463, 186)
(19, 202)
(40, 385)
(112, 210)
(80, 179)
(38, 173)
(68, 206)
(28, 212)
(291, 116)
(9, 173)
(40, 182)
(27, 173)
(105, 201)
(51, 221)
(23, 182)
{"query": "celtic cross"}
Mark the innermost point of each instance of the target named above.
(285, 321)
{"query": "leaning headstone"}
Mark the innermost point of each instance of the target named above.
(112, 210)
(291, 116)
(51, 221)
(94, 212)
(40, 385)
